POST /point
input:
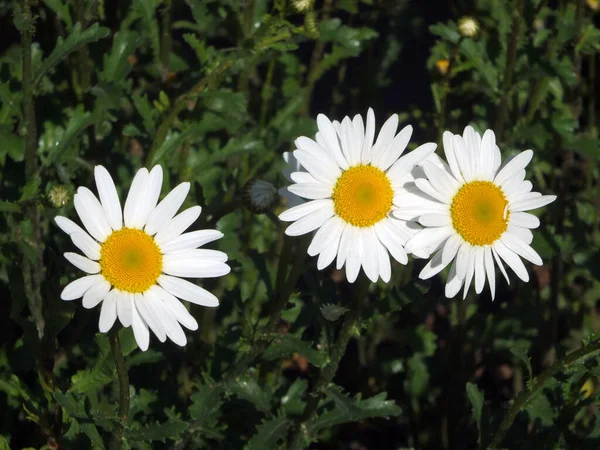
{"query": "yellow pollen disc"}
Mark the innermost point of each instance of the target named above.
(130, 260)
(363, 195)
(477, 212)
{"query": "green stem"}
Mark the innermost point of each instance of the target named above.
(181, 103)
(266, 94)
(165, 38)
(511, 59)
(124, 399)
(537, 383)
(301, 437)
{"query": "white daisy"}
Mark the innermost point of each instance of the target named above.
(352, 186)
(473, 211)
(134, 257)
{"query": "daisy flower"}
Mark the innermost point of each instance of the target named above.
(474, 212)
(351, 185)
(135, 257)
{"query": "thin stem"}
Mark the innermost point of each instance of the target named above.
(537, 383)
(266, 94)
(181, 103)
(300, 437)
(508, 70)
(124, 400)
(165, 38)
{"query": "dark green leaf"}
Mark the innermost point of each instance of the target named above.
(74, 40)
(292, 402)
(520, 351)
(116, 62)
(76, 126)
(541, 408)
(288, 345)
(248, 389)
(446, 32)
(171, 429)
(269, 433)
(333, 312)
(12, 144)
(92, 433)
(31, 189)
(146, 111)
(71, 404)
(476, 399)
(61, 9)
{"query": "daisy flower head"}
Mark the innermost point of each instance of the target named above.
(473, 210)
(350, 182)
(135, 257)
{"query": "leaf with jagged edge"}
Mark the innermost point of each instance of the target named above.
(91, 432)
(520, 351)
(73, 405)
(333, 312)
(78, 123)
(476, 399)
(171, 429)
(61, 9)
(76, 39)
(289, 345)
(116, 62)
(146, 111)
(541, 408)
(269, 433)
(247, 388)
(347, 409)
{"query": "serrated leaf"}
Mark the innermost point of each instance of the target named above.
(61, 10)
(292, 402)
(541, 408)
(269, 433)
(116, 62)
(78, 123)
(246, 144)
(12, 144)
(476, 398)
(248, 389)
(146, 111)
(333, 312)
(91, 432)
(31, 189)
(71, 404)
(376, 406)
(76, 39)
(520, 351)
(288, 345)
(171, 429)
(206, 411)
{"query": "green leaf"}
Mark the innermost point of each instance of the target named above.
(9, 207)
(292, 402)
(520, 351)
(248, 389)
(4, 445)
(74, 41)
(91, 432)
(116, 62)
(476, 398)
(12, 144)
(333, 312)
(269, 433)
(76, 126)
(145, 109)
(288, 345)
(31, 189)
(446, 32)
(541, 408)
(61, 10)
(71, 404)
(586, 146)
(350, 410)
(171, 429)
(589, 42)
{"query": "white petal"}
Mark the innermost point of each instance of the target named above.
(392, 240)
(386, 135)
(203, 254)
(303, 177)
(451, 248)
(463, 157)
(523, 219)
(143, 304)
(433, 267)
(406, 163)
(344, 248)
(513, 184)
(462, 259)
(369, 254)
(441, 181)
(124, 307)
(76, 289)
(329, 232)
(109, 197)
(133, 211)
(349, 149)
(523, 187)
(470, 273)
(178, 225)
(515, 165)
(83, 263)
(155, 180)
(354, 258)
(500, 264)
(479, 269)
(425, 186)
(140, 329)
(67, 225)
(358, 136)
(185, 290)
(451, 156)
(330, 139)
(435, 220)
(489, 268)
(91, 214)
(189, 241)
(328, 254)
(512, 260)
(310, 222)
(488, 148)
(383, 261)
(315, 150)
(428, 237)
(523, 234)
(176, 308)
(393, 151)
(312, 191)
(108, 313)
(521, 249)
(297, 212)
(531, 203)
(169, 323)
(86, 244)
(369, 136)
(188, 266)
(472, 140)
(166, 209)
(322, 168)
(95, 294)
(454, 283)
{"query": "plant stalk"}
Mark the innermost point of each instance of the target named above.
(124, 399)
(537, 383)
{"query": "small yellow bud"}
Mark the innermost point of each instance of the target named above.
(468, 26)
(442, 66)
(303, 5)
(593, 4)
(588, 388)
(59, 196)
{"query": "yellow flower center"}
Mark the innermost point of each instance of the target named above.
(477, 212)
(130, 260)
(363, 195)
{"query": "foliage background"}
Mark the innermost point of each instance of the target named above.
(215, 91)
